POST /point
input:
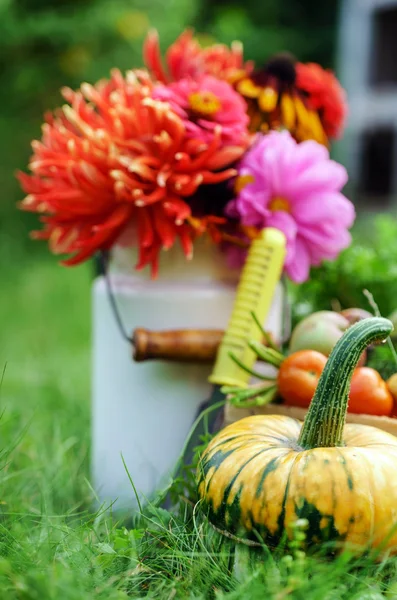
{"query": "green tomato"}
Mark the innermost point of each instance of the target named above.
(320, 331)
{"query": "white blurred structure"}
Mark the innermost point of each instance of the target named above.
(368, 71)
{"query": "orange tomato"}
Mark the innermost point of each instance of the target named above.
(369, 394)
(298, 377)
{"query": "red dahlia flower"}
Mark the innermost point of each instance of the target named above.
(114, 158)
(325, 95)
(186, 58)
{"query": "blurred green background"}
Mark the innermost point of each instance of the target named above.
(45, 44)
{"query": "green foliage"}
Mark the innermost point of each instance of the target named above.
(306, 29)
(381, 359)
(44, 46)
(369, 263)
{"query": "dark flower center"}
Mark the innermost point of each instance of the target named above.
(280, 67)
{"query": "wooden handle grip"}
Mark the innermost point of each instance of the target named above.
(181, 345)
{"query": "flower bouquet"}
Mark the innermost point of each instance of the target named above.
(202, 142)
(181, 164)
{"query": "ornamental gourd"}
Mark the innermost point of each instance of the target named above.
(262, 473)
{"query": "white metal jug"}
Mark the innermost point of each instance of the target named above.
(142, 412)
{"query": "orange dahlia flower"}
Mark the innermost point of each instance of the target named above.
(186, 58)
(114, 159)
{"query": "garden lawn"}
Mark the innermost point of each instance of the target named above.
(52, 543)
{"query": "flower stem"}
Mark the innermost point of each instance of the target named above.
(268, 338)
(256, 396)
(252, 372)
(268, 355)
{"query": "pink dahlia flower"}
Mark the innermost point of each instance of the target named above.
(207, 104)
(297, 189)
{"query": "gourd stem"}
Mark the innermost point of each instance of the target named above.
(325, 420)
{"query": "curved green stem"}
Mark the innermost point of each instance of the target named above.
(325, 420)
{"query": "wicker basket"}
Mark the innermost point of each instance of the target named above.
(232, 414)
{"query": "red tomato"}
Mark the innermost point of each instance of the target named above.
(392, 387)
(298, 377)
(369, 394)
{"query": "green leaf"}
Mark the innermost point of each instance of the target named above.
(105, 548)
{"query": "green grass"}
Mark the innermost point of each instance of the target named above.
(53, 546)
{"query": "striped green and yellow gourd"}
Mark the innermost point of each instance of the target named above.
(262, 473)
